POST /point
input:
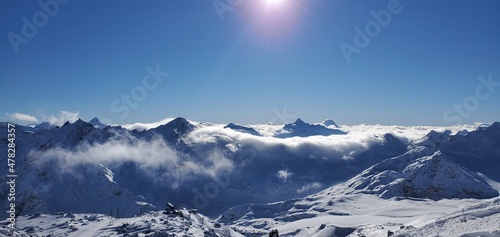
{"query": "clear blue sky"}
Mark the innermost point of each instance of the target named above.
(259, 58)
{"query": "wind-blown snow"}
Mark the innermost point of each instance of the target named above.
(108, 173)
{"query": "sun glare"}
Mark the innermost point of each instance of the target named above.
(274, 3)
(274, 20)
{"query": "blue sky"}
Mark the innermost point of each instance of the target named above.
(419, 67)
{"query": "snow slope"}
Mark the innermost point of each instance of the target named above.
(434, 177)
(118, 172)
(429, 169)
(482, 219)
(354, 215)
(181, 222)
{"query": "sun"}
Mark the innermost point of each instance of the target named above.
(271, 21)
(274, 3)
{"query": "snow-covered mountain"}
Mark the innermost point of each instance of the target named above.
(43, 126)
(329, 122)
(173, 130)
(325, 171)
(96, 123)
(434, 177)
(420, 191)
(300, 128)
(424, 171)
(170, 222)
(243, 129)
(177, 162)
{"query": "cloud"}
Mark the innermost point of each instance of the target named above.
(284, 175)
(211, 151)
(146, 126)
(155, 158)
(63, 117)
(23, 117)
(405, 133)
(318, 152)
(325, 147)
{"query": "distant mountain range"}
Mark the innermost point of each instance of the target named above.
(90, 167)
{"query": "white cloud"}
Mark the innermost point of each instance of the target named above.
(216, 151)
(154, 157)
(63, 117)
(23, 117)
(324, 147)
(406, 133)
(232, 147)
(334, 150)
(146, 126)
(284, 175)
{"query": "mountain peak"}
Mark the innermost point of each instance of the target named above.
(96, 123)
(495, 125)
(174, 129)
(94, 120)
(79, 121)
(433, 139)
(329, 122)
(434, 177)
(302, 129)
(179, 121)
(242, 129)
(77, 124)
(299, 121)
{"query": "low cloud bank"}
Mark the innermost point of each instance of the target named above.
(155, 158)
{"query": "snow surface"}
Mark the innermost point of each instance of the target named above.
(304, 179)
(363, 215)
(434, 177)
(181, 222)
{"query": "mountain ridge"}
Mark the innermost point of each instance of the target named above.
(235, 169)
